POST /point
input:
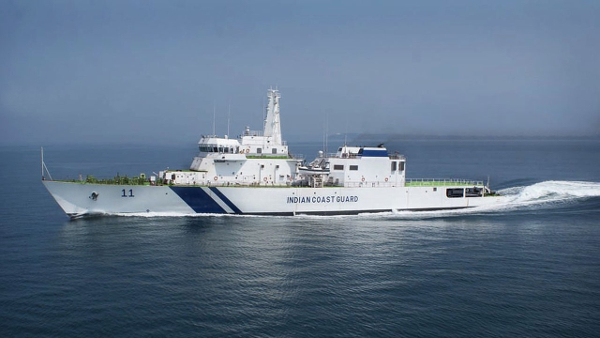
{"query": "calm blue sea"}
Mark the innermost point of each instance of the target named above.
(530, 268)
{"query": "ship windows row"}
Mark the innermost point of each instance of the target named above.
(209, 148)
(395, 166)
(469, 192)
(352, 167)
(260, 151)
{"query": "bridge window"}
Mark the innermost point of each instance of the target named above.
(353, 167)
(401, 166)
(454, 193)
(338, 167)
(209, 148)
(394, 165)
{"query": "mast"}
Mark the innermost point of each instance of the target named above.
(44, 168)
(272, 125)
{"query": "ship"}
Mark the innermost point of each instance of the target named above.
(255, 174)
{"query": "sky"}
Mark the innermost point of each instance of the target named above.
(155, 72)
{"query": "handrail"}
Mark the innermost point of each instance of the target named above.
(253, 133)
(442, 181)
(352, 155)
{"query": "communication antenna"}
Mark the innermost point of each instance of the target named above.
(323, 145)
(228, 118)
(325, 131)
(214, 117)
(346, 134)
(44, 168)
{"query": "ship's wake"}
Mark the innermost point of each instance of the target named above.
(538, 196)
(552, 192)
(535, 197)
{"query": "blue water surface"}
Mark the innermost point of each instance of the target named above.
(531, 270)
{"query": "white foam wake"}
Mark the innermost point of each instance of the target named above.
(551, 191)
(547, 194)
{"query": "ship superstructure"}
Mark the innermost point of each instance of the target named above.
(256, 174)
(256, 158)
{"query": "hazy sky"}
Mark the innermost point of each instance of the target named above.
(151, 71)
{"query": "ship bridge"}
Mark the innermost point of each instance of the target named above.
(213, 144)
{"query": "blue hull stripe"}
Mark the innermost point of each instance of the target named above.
(226, 200)
(198, 200)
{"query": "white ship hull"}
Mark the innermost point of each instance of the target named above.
(77, 199)
(256, 174)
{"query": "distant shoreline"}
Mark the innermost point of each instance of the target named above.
(351, 138)
(334, 140)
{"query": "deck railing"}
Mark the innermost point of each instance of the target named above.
(372, 184)
(409, 182)
(441, 182)
(347, 155)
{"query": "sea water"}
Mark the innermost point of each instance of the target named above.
(529, 267)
